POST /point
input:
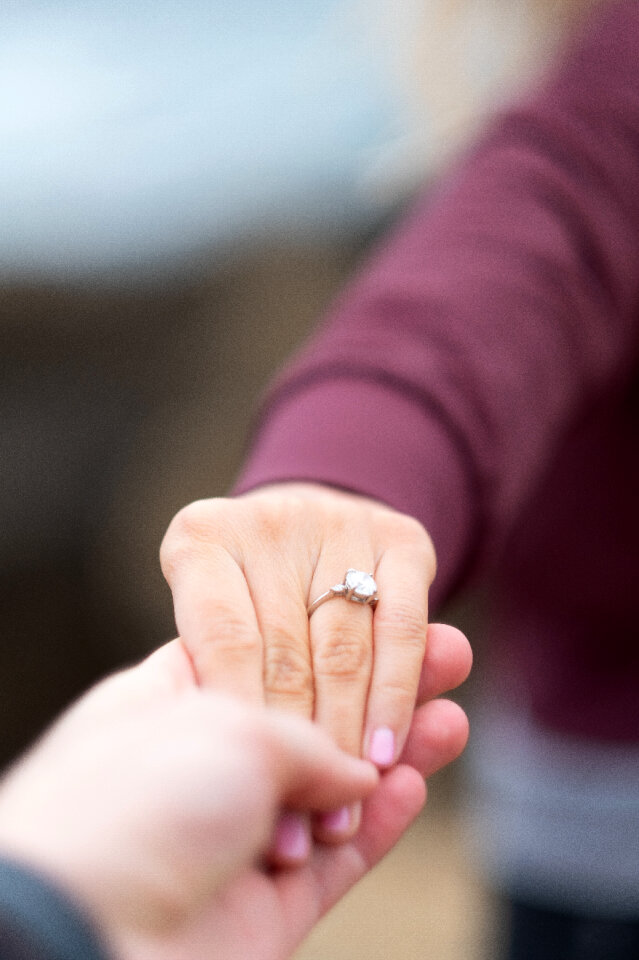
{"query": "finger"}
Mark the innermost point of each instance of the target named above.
(388, 813)
(280, 607)
(342, 651)
(314, 775)
(307, 894)
(341, 633)
(279, 600)
(438, 734)
(400, 629)
(309, 771)
(216, 620)
(292, 841)
(447, 661)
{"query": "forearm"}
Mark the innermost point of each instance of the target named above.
(506, 302)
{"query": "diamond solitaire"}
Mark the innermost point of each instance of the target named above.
(357, 586)
(361, 585)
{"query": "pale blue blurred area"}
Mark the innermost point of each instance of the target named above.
(132, 132)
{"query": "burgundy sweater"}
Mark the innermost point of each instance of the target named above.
(482, 374)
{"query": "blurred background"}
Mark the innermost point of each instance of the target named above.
(184, 186)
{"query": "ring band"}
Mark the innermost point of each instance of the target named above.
(357, 586)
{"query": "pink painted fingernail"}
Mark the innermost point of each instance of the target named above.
(337, 821)
(382, 747)
(292, 840)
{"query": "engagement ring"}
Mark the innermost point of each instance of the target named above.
(357, 586)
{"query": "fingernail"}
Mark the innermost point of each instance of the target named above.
(382, 747)
(292, 839)
(337, 821)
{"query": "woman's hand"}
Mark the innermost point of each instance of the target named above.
(243, 572)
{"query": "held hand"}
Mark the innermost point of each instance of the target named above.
(243, 573)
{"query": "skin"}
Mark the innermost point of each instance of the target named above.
(153, 803)
(243, 571)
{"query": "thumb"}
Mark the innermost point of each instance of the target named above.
(309, 770)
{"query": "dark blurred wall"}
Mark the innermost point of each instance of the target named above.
(118, 405)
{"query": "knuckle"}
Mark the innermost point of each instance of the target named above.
(400, 690)
(171, 555)
(403, 620)
(287, 671)
(279, 525)
(415, 534)
(270, 516)
(195, 519)
(276, 515)
(344, 657)
(411, 534)
(231, 634)
(339, 521)
(413, 529)
(193, 526)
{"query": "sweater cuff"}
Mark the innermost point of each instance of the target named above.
(38, 921)
(372, 439)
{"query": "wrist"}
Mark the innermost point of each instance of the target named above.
(39, 918)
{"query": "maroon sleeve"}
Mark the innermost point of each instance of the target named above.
(447, 374)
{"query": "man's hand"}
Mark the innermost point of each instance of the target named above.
(153, 803)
